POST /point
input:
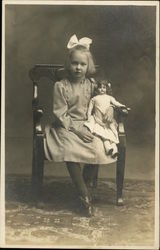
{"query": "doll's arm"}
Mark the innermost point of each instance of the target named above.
(121, 108)
(116, 103)
(109, 115)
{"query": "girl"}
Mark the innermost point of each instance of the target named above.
(98, 124)
(68, 140)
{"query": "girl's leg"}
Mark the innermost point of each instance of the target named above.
(90, 175)
(77, 178)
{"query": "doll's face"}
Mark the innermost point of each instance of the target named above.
(78, 65)
(102, 89)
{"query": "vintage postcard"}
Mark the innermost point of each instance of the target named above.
(80, 125)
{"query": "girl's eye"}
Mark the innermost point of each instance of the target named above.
(74, 63)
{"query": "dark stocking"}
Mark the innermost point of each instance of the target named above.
(77, 178)
(90, 175)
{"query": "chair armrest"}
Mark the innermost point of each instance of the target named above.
(51, 71)
(121, 116)
(37, 115)
(122, 111)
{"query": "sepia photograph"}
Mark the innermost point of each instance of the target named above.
(80, 125)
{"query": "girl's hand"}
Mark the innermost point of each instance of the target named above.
(109, 115)
(84, 134)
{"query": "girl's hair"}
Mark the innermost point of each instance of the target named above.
(105, 83)
(91, 66)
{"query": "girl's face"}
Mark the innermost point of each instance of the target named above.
(78, 65)
(102, 89)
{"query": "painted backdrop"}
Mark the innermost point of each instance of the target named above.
(124, 47)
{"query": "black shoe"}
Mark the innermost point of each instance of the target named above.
(87, 206)
(90, 211)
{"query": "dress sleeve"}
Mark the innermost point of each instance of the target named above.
(60, 106)
(90, 108)
(115, 102)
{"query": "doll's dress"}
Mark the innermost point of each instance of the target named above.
(96, 123)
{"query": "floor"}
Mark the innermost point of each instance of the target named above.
(60, 222)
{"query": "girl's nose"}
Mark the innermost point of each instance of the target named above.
(78, 66)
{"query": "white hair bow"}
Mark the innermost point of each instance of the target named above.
(85, 41)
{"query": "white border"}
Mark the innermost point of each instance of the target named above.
(2, 173)
(157, 133)
(2, 176)
(52, 2)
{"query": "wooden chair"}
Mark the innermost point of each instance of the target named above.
(54, 72)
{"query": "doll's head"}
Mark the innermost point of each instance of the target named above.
(80, 60)
(103, 87)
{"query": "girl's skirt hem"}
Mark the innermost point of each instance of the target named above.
(61, 145)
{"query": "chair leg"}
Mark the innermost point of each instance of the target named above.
(37, 166)
(120, 169)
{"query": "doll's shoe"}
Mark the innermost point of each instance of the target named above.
(114, 155)
(87, 206)
(108, 148)
(110, 151)
(115, 151)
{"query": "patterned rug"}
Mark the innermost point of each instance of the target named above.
(60, 222)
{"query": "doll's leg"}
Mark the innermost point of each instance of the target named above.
(113, 127)
(77, 178)
(108, 147)
(90, 175)
(115, 150)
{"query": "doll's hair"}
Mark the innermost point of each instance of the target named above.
(104, 83)
(91, 65)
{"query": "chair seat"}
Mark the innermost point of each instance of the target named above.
(53, 72)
